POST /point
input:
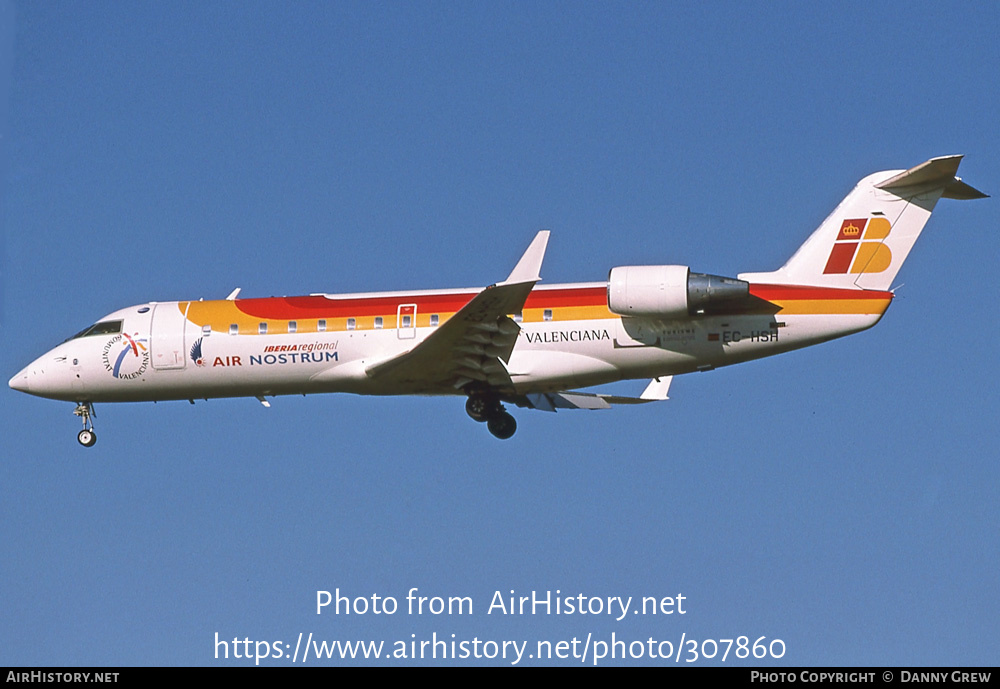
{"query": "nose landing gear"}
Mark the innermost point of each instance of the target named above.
(87, 437)
(484, 407)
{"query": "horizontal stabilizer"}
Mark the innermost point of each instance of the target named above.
(960, 191)
(934, 173)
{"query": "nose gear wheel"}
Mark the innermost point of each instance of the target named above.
(87, 437)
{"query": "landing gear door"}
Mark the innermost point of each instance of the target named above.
(406, 321)
(166, 336)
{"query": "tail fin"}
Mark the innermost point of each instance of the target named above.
(863, 243)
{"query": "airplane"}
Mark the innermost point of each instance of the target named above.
(515, 342)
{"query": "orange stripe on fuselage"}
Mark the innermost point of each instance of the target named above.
(570, 303)
(565, 303)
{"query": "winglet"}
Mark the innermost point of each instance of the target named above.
(528, 269)
(657, 389)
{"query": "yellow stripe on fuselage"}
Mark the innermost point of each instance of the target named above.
(833, 306)
(220, 315)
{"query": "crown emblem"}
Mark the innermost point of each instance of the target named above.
(851, 230)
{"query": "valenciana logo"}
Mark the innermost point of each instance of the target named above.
(126, 357)
(860, 247)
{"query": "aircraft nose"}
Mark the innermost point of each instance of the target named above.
(47, 376)
(20, 381)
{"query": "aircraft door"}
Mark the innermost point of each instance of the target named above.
(406, 321)
(166, 336)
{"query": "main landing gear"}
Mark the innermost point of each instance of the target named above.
(484, 407)
(87, 437)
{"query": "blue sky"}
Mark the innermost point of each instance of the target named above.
(842, 498)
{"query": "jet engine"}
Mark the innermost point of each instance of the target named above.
(671, 292)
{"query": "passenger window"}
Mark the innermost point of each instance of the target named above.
(547, 315)
(206, 330)
(234, 329)
(518, 317)
(378, 322)
(407, 320)
(321, 325)
(351, 324)
(434, 320)
(292, 326)
(262, 329)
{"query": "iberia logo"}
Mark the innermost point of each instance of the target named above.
(860, 247)
(196, 356)
(125, 356)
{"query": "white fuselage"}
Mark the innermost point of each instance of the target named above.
(188, 350)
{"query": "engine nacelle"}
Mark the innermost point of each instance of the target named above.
(671, 292)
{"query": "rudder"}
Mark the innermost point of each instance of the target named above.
(863, 243)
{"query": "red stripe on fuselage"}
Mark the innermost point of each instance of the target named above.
(290, 308)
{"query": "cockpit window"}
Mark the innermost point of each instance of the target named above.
(102, 328)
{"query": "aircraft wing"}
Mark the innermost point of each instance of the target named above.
(550, 401)
(475, 344)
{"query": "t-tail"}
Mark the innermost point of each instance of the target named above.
(863, 243)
